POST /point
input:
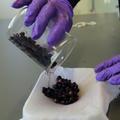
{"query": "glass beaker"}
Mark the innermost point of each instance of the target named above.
(59, 53)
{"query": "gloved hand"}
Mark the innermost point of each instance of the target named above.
(40, 12)
(109, 71)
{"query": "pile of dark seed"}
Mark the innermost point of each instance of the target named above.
(63, 92)
(26, 44)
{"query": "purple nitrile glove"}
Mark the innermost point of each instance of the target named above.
(109, 71)
(40, 12)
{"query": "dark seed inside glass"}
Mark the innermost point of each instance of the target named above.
(36, 52)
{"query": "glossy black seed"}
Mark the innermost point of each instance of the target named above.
(62, 92)
(70, 92)
(11, 38)
(22, 34)
(59, 78)
(54, 64)
(62, 102)
(50, 55)
(44, 89)
(59, 81)
(69, 81)
(56, 100)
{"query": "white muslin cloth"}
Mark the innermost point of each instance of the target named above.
(92, 105)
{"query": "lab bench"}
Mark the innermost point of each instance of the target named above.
(18, 73)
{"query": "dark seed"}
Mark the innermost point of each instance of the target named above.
(54, 64)
(62, 92)
(22, 34)
(55, 100)
(70, 92)
(59, 78)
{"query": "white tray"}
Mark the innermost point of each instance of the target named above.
(93, 104)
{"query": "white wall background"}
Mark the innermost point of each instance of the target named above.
(83, 7)
(5, 9)
(101, 6)
(106, 6)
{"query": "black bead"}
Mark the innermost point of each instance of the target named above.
(59, 78)
(54, 64)
(62, 92)
(22, 34)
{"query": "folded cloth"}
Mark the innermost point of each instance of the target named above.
(93, 103)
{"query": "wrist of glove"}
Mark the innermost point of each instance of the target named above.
(109, 71)
(40, 12)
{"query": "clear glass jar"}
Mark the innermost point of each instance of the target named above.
(59, 53)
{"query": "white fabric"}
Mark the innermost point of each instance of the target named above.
(92, 105)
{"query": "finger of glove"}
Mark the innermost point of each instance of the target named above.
(115, 80)
(64, 6)
(107, 64)
(33, 11)
(21, 3)
(46, 13)
(108, 73)
(58, 31)
(70, 11)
